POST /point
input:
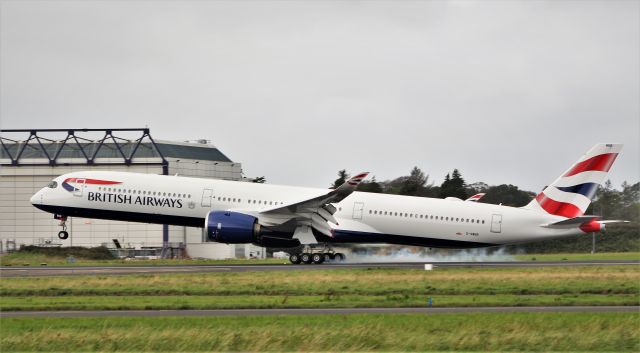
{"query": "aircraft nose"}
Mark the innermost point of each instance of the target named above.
(36, 198)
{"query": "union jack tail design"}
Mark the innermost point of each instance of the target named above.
(570, 195)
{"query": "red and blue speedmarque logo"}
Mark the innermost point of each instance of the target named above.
(69, 184)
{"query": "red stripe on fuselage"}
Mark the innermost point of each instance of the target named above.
(92, 181)
(600, 162)
(558, 208)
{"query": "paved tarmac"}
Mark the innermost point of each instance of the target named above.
(264, 312)
(24, 271)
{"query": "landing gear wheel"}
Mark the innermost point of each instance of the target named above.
(306, 258)
(63, 234)
(318, 258)
(340, 257)
(329, 256)
(295, 259)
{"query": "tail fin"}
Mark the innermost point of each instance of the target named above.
(570, 195)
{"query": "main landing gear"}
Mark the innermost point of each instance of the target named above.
(63, 234)
(310, 255)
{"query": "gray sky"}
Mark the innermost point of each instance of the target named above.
(506, 91)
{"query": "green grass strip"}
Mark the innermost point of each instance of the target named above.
(448, 281)
(302, 301)
(516, 332)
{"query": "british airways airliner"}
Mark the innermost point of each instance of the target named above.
(288, 216)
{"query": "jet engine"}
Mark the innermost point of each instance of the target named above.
(231, 227)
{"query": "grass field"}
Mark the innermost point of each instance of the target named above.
(518, 332)
(592, 285)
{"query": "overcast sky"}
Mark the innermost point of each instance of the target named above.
(506, 91)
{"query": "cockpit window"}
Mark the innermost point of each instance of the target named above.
(52, 184)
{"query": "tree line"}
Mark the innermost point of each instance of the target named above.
(417, 184)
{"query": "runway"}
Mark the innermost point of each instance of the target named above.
(23, 271)
(333, 311)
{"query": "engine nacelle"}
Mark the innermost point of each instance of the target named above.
(231, 227)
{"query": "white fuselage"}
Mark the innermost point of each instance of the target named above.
(362, 217)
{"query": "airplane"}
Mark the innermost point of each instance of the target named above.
(310, 220)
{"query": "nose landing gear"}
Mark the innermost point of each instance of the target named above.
(63, 234)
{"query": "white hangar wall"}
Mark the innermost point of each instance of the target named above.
(26, 225)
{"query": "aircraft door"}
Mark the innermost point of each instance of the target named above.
(206, 197)
(357, 210)
(78, 190)
(496, 223)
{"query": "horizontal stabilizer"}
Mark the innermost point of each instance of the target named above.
(587, 224)
(613, 221)
(571, 222)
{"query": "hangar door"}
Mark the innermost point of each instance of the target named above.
(496, 223)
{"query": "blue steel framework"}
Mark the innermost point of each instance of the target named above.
(90, 158)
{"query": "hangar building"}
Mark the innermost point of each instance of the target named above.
(31, 158)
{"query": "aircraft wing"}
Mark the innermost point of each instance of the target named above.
(317, 211)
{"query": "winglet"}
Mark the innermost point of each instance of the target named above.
(352, 183)
(476, 197)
